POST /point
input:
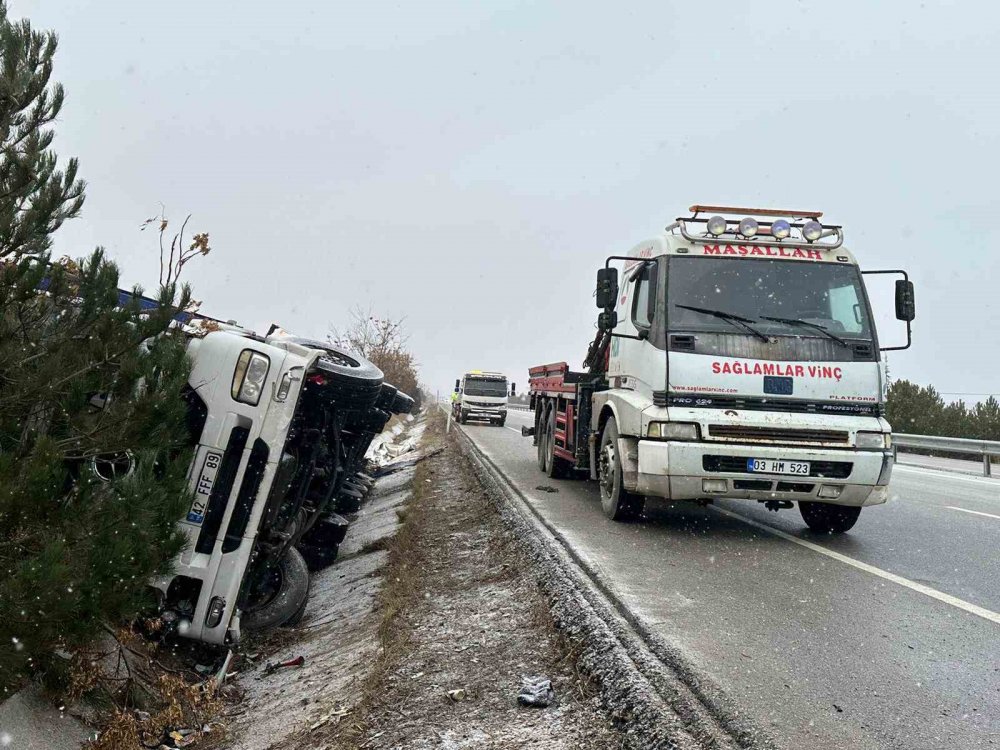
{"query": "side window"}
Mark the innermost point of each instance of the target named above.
(640, 301)
(845, 309)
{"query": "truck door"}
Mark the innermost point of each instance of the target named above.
(636, 358)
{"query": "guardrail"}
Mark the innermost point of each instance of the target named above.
(985, 449)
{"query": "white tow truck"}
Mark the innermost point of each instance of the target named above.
(737, 358)
(481, 395)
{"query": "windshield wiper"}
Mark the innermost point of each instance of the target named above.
(806, 324)
(737, 320)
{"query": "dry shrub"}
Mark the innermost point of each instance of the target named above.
(383, 341)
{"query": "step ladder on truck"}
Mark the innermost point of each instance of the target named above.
(736, 357)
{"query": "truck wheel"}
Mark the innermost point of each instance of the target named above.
(618, 503)
(502, 421)
(555, 466)
(281, 596)
(402, 404)
(540, 433)
(824, 518)
(353, 381)
(318, 557)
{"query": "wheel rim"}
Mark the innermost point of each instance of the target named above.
(268, 589)
(607, 470)
(550, 445)
(339, 358)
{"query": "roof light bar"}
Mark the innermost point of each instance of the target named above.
(748, 231)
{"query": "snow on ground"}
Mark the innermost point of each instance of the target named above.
(337, 634)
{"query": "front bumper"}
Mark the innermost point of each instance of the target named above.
(678, 470)
(484, 412)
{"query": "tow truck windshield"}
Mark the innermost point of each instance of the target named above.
(822, 300)
(484, 387)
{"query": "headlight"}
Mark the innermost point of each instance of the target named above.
(873, 440)
(748, 227)
(780, 229)
(717, 226)
(249, 377)
(673, 431)
(812, 230)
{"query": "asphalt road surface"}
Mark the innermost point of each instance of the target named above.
(885, 637)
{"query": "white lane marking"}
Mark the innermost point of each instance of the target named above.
(974, 512)
(513, 429)
(945, 474)
(954, 601)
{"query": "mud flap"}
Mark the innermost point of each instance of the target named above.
(628, 450)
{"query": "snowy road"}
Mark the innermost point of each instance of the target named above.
(886, 637)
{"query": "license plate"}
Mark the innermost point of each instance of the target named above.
(203, 490)
(774, 466)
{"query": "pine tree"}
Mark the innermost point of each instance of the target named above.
(914, 409)
(93, 438)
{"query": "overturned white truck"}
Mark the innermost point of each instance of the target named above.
(279, 426)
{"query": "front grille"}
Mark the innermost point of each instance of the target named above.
(777, 434)
(738, 465)
(484, 404)
(218, 500)
(784, 348)
(795, 487)
(756, 403)
(252, 476)
(753, 485)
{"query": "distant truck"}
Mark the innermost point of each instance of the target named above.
(481, 395)
(737, 358)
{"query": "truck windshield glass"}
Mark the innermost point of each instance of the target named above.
(807, 296)
(477, 387)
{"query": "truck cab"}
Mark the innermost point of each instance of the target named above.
(275, 423)
(481, 395)
(737, 358)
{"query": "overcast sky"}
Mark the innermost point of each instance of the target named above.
(469, 165)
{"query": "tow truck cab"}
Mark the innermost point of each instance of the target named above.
(482, 395)
(736, 357)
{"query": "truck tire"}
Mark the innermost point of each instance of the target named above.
(385, 396)
(353, 381)
(824, 518)
(284, 597)
(618, 503)
(555, 466)
(318, 557)
(543, 415)
(402, 404)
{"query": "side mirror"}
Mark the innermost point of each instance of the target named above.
(906, 308)
(651, 296)
(458, 384)
(513, 388)
(607, 321)
(607, 287)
